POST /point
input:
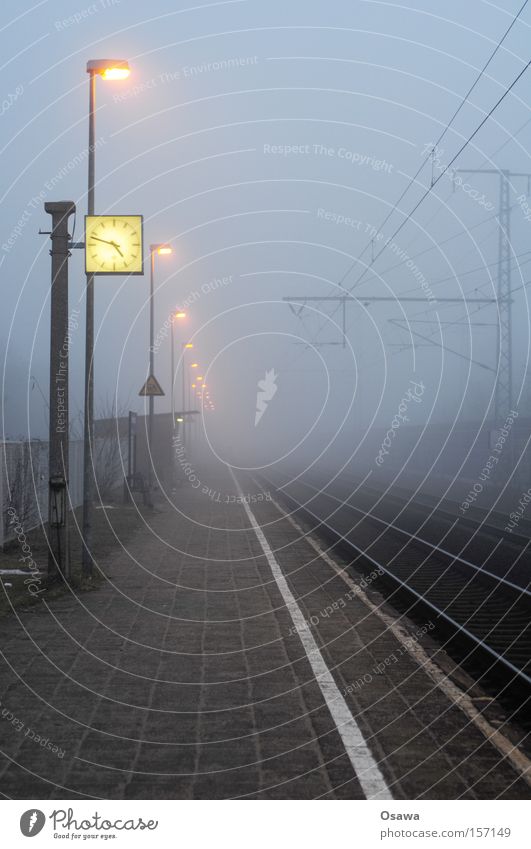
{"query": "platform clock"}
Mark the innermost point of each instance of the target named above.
(114, 244)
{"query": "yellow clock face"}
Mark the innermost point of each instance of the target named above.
(113, 244)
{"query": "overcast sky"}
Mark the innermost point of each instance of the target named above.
(267, 142)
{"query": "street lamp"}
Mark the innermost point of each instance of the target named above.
(185, 346)
(161, 249)
(177, 316)
(107, 69)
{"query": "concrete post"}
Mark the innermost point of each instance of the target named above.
(58, 563)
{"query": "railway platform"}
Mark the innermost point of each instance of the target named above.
(229, 653)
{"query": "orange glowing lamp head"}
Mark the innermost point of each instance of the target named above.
(115, 73)
(179, 314)
(109, 69)
(162, 249)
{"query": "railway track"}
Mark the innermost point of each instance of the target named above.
(464, 587)
(477, 540)
(490, 523)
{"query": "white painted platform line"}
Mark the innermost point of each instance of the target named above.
(367, 771)
(458, 697)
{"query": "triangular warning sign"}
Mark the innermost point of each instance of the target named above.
(151, 387)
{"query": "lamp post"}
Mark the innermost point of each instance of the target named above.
(185, 346)
(189, 401)
(176, 316)
(107, 69)
(162, 250)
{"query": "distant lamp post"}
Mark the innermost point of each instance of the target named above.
(161, 249)
(177, 316)
(185, 346)
(107, 69)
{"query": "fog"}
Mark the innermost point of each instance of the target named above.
(268, 143)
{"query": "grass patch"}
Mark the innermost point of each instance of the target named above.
(114, 525)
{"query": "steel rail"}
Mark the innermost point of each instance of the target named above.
(459, 626)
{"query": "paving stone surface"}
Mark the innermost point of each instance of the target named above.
(183, 677)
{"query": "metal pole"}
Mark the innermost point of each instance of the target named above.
(504, 384)
(184, 393)
(129, 482)
(88, 436)
(503, 391)
(58, 561)
(191, 421)
(172, 330)
(151, 366)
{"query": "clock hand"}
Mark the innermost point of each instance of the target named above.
(106, 241)
(115, 245)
